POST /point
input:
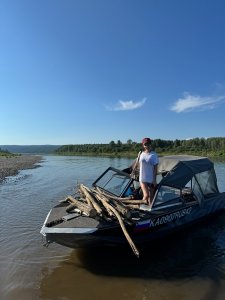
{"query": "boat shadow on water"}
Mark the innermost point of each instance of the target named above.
(198, 251)
(193, 254)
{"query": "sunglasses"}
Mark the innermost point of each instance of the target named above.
(147, 144)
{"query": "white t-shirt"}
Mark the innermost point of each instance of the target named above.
(147, 162)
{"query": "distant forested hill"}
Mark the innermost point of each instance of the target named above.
(32, 149)
(214, 146)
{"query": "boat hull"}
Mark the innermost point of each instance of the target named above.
(85, 232)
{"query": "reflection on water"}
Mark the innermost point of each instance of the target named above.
(194, 259)
(191, 265)
(195, 252)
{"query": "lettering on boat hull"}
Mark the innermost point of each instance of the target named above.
(163, 220)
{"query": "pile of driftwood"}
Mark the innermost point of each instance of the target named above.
(93, 202)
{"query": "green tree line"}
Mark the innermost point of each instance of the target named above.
(5, 153)
(214, 146)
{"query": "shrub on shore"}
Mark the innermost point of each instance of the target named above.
(6, 153)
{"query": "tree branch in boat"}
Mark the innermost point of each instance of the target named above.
(116, 202)
(99, 197)
(124, 200)
(89, 196)
(117, 215)
(112, 196)
(89, 210)
(133, 201)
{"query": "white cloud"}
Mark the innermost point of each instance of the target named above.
(127, 105)
(191, 102)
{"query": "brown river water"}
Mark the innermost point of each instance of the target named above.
(188, 266)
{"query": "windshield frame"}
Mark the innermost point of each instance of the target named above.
(116, 172)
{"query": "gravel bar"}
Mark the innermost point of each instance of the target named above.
(10, 166)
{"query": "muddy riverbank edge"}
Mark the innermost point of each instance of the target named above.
(10, 166)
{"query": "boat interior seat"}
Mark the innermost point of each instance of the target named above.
(188, 195)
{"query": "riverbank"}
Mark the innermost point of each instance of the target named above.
(11, 165)
(124, 154)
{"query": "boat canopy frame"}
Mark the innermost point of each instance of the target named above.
(181, 169)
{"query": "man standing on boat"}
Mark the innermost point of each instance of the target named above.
(148, 161)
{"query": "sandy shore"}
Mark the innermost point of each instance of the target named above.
(11, 165)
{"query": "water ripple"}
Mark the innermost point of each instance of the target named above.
(192, 263)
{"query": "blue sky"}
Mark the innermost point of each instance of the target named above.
(93, 71)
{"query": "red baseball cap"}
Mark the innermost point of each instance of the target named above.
(146, 141)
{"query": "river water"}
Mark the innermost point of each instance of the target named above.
(190, 265)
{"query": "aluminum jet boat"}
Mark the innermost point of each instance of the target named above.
(186, 193)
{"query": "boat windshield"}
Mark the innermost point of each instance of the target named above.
(167, 196)
(115, 182)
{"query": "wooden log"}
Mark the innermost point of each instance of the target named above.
(99, 197)
(70, 207)
(90, 196)
(133, 206)
(133, 201)
(125, 200)
(81, 190)
(83, 207)
(121, 208)
(116, 203)
(117, 215)
(112, 196)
